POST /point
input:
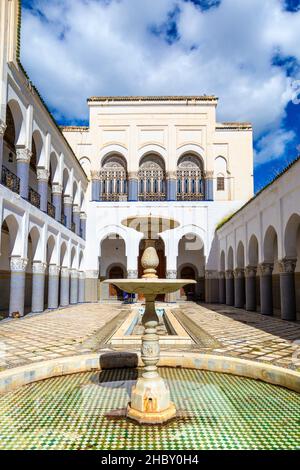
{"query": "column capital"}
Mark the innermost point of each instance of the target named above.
(83, 216)
(23, 154)
(221, 275)
(229, 274)
(64, 272)
(2, 127)
(92, 274)
(132, 273)
(54, 270)
(42, 174)
(74, 273)
(68, 200)
(209, 174)
(57, 188)
(133, 175)
(171, 274)
(265, 269)
(210, 274)
(250, 271)
(81, 274)
(171, 175)
(287, 265)
(18, 264)
(38, 267)
(76, 209)
(95, 175)
(239, 273)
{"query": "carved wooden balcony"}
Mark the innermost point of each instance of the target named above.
(34, 198)
(190, 197)
(152, 197)
(115, 197)
(10, 180)
(51, 210)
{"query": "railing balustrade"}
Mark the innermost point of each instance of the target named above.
(34, 198)
(10, 180)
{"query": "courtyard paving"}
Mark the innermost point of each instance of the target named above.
(84, 328)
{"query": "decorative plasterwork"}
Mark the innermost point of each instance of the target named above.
(250, 271)
(239, 273)
(56, 188)
(23, 155)
(92, 274)
(171, 274)
(42, 174)
(132, 274)
(265, 269)
(38, 267)
(287, 265)
(65, 272)
(18, 264)
(54, 270)
(2, 127)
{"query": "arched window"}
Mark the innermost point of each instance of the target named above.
(189, 178)
(113, 176)
(151, 178)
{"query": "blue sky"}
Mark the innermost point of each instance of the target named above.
(244, 51)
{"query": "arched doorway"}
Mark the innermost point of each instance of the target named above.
(188, 292)
(191, 255)
(115, 272)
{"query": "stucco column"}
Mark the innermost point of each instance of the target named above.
(81, 287)
(209, 186)
(17, 285)
(57, 200)
(23, 160)
(222, 288)
(68, 203)
(266, 289)
(250, 274)
(38, 286)
(91, 285)
(96, 189)
(2, 131)
(74, 287)
(132, 186)
(83, 225)
(171, 186)
(76, 219)
(239, 288)
(43, 177)
(172, 296)
(229, 287)
(287, 288)
(64, 287)
(53, 286)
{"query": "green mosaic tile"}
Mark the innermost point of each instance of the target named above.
(86, 411)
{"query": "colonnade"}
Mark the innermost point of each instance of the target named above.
(66, 286)
(239, 288)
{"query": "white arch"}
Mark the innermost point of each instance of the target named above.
(190, 148)
(113, 148)
(152, 148)
(112, 230)
(19, 121)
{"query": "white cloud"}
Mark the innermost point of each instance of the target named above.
(272, 145)
(108, 48)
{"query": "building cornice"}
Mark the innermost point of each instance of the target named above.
(234, 126)
(74, 128)
(140, 99)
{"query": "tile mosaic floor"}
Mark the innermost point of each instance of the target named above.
(83, 328)
(85, 411)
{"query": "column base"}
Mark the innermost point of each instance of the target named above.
(150, 401)
(152, 418)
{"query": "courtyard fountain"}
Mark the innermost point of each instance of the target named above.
(150, 397)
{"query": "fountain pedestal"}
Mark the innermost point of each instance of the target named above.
(150, 397)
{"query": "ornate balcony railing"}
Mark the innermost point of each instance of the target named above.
(190, 197)
(152, 197)
(63, 220)
(113, 197)
(10, 180)
(34, 198)
(51, 210)
(73, 227)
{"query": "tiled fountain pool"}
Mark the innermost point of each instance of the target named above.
(86, 411)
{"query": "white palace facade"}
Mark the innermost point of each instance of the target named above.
(66, 192)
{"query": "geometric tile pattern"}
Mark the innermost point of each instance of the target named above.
(86, 411)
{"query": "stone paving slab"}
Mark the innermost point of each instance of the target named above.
(248, 335)
(76, 330)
